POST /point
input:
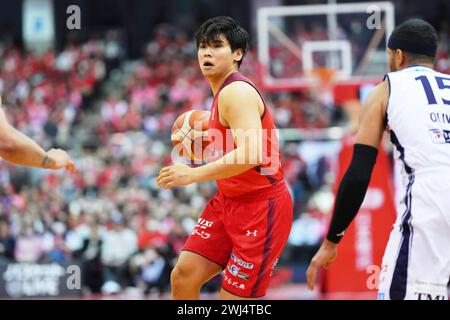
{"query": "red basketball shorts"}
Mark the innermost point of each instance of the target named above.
(245, 236)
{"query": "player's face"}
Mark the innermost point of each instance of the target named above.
(216, 58)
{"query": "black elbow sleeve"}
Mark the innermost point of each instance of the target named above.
(352, 190)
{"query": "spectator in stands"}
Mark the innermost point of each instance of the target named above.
(55, 246)
(152, 267)
(90, 253)
(119, 244)
(7, 242)
(29, 245)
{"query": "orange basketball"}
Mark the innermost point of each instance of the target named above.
(190, 135)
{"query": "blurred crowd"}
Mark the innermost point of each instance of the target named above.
(43, 93)
(111, 218)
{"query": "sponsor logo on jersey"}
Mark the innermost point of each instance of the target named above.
(429, 291)
(252, 233)
(241, 262)
(233, 269)
(235, 284)
(273, 267)
(439, 136)
(429, 296)
(243, 276)
(202, 223)
(200, 228)
(201, 233)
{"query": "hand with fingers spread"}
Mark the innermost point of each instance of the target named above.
(323, 258)
(58, 159)
(174, 176)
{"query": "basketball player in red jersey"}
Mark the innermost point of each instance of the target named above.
(244, 228)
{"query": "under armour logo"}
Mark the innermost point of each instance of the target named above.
(252, 233)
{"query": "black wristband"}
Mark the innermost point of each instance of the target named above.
(352, 190)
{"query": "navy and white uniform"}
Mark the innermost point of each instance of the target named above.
(416, 263)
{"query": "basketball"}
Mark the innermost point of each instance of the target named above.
(190, 135)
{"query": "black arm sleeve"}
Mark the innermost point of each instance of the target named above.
(352, 190)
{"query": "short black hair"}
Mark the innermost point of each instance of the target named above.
(419, 31)
(212, 28)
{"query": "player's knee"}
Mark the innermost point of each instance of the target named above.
(182, 276)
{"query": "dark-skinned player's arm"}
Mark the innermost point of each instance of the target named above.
(238, 106)
(354, 184)
(17, 148)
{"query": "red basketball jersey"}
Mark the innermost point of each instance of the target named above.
(261, 177)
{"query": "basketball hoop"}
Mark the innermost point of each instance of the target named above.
(322, 86)
(324, 76)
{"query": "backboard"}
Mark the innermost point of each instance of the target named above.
(348, 38)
